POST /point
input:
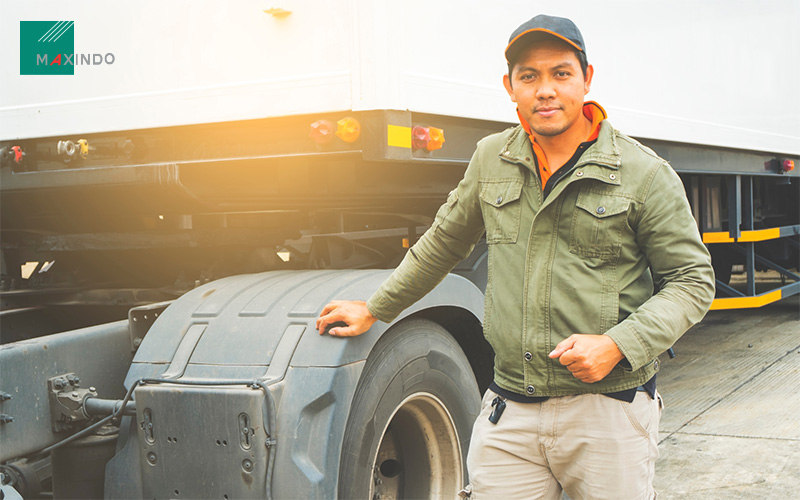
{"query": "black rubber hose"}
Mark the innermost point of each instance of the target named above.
(99, 406)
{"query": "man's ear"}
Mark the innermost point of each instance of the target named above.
(509, 89)
(587, 80)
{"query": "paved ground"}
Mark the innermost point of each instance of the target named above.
(731, 426)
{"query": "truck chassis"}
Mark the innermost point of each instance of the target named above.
(164, 287)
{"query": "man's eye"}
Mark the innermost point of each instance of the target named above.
(562, 74)
(526, 77)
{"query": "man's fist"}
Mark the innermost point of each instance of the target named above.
(353, 314)
(589, 357)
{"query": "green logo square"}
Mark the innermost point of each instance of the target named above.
(47, 47)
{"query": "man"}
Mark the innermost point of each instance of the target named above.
(581, 222)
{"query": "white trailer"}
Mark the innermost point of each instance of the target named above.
(714, 73)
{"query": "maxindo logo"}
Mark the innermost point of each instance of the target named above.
(48, 48)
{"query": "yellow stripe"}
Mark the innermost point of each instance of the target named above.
(399, 137)
(717, 238)
(746, 302)
(761, 234)
(747, 236)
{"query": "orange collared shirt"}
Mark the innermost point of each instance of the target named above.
(591, 110)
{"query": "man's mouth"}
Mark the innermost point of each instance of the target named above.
(545, 111)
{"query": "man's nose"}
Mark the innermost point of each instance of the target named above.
(545, 90)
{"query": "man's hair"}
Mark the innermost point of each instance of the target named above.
(584, 63)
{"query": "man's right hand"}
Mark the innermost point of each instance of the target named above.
(354, 313)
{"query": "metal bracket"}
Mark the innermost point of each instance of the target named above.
(67, 401)
(140, 319)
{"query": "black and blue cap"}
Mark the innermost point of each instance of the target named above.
(543, 26)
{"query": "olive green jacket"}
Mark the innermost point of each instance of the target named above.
(579, 261)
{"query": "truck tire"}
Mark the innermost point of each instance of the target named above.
(411, 417)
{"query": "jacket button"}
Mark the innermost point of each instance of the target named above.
(612, 177)
(601, 210)
(531, 389)
(579, 173)
(655, 364)
(499, 200)
(528, 356)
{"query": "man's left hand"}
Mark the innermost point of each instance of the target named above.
(589, 357)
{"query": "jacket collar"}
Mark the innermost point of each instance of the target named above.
(605, 152)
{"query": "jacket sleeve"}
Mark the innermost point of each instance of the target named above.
(667, 234)
(458, 225)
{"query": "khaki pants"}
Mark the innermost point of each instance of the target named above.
(591, 446)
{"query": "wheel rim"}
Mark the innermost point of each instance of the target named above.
(419, 454)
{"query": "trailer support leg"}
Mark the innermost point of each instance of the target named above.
(747, 225)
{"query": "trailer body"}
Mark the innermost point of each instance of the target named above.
(666, 72)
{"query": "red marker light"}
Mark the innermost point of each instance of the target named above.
(17, 154)
(420, 137)
(788, 165)
(321, 132)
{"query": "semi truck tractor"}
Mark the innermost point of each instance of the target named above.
(185, 185)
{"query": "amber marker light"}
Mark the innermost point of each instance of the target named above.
(321, 132)
(436, 139)
(83, 144)
(348, 129)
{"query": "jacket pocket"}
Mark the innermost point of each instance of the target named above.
(500, 204)
(597, 225)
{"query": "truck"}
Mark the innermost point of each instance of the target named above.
(185, 185)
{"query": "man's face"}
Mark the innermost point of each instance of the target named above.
(548, 86)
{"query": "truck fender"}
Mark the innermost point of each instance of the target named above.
(262, 327)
